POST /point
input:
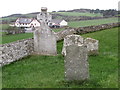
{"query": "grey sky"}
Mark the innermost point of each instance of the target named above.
(27, 6)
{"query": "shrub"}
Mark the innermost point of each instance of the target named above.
(14, 30)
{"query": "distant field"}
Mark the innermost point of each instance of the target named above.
(8, 18)
(11, 38)
(4, 26)
(79, 14)
(92, 22)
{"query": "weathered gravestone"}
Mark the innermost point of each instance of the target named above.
(76, 63)
(71, 39)
(44, 15)
(92, 46)
(44, 38)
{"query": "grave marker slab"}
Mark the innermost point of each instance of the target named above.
(76, 63)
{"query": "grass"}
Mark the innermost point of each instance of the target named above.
(4, 26)
(89, 23)
(58, 29)
(92, 22)
(8, 18)
(11, 38)
(78, 23)
(79, 14)
(48, 71)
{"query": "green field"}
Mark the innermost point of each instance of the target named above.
(89, 23)
(48, 71)
(92, 22)
(4, 26)
(79, 14)
(8, 18)
(11, 38)
(78, 23)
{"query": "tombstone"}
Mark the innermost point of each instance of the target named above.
(71, 39)
(76, 63)
(44, 38)
(92, 46)
(44, 15)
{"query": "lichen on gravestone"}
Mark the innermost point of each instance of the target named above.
(44, 38)
(76, 63)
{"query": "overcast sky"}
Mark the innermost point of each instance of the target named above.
(9, 7)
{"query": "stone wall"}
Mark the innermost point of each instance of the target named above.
(16, 50)
(62, 34)
(82, 30)
(88, 29)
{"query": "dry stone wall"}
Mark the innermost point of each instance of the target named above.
(16, 50)
(82, 30)
(62, 34)
(88, 29)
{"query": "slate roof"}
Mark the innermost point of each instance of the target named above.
(25, 20)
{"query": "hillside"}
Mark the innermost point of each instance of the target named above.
(60, 15)
(70, 15)
(79, 14)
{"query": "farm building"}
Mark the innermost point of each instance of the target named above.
(57, 23)
(27, 22)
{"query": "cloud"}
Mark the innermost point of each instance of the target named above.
(27, 6)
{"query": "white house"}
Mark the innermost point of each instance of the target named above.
(27, 22)
(58, 22)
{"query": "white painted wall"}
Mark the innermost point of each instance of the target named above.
(34, 23)
(63, 23)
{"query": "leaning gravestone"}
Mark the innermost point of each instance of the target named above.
(76, 63)
(92, 46)
(44, 38)
(71, 39)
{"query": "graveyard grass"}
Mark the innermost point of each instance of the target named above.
(48, 71)
(15, 37)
